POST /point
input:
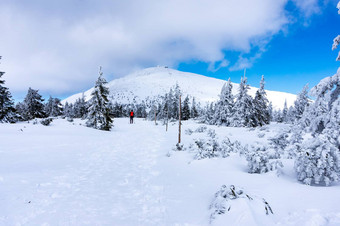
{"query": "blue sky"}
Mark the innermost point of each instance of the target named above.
(57, 46)
(301, 55)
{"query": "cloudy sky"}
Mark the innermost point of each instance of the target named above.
(57, 46)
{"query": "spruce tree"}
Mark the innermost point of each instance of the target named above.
(34, 106)
(99, 116)
(261, 105)
(53, 107)
(186, 109)
(285, 112)
(80, 107)
(6, 103)
(193, 111)
(319, 160)
(301, 103)
(224, 107)
(244, 110)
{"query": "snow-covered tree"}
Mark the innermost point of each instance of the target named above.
(186, 109)
(34, 107)
(319, 160)
(284, 114)
(224, 107)
(80, 107)
(99, 115)
(6, 103)
(243, 108)
(69, 110)
(53, 107)
(194, 110)
(301, 103)
(261, 105)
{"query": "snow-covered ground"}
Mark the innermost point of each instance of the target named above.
(68, 174)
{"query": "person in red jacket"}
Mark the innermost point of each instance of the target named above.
(132, 114)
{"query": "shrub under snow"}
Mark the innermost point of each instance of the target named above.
(261, 160)
(318, 162)
(210, 147)
(226, 196)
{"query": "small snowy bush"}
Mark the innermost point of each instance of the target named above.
(46, 121)
(261, 161)
(189, 132)
(69, 119)
(205, 148)
(224, 198)
(318, 162)
(201, 129)
(279, 143)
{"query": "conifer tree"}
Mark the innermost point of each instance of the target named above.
(319, 160)
(301, 103)
(244, 110)
(34, 107)
(285, 112)
(186, 109)
(261, 105)
(99, 116)
(53, 107)
(6, 103)
(224, 107)
(80, 107)
(193, 111)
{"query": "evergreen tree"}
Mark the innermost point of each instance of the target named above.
(175, 102)
(6, 103)
(186, 109)
(270, 111)
(53, 107)
(209, 113)
(34, 107)
(285, 112)
(99, 116)
(80, 107)
(224, 107)
(319, 160)
(261, 105)
(244, 110)
(301, 103)
(193, 111)
(69, 110)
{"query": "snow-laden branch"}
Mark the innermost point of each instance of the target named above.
(336, 42)
(338, 6)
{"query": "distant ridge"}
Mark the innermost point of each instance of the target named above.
(152, 82)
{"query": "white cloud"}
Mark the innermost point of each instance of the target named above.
(57, 46)
(308, 7)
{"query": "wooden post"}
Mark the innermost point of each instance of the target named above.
(179, 121)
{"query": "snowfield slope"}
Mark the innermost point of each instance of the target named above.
(68, 174)
(156, 81)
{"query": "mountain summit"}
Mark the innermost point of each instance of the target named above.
(155, 81)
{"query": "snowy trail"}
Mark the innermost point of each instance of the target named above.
(108, 184)
(68, 174)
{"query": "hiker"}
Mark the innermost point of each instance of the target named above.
(131, 116)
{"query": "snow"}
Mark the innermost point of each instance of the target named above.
(68, 174)
(155, 81)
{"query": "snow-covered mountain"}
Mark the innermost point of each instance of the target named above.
(151, 82)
